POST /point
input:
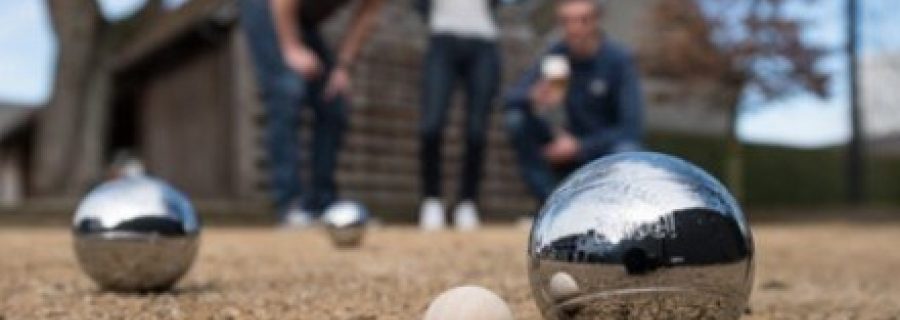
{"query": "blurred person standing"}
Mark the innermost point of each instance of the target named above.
(583, 101)
(295, 67)
(462, 52)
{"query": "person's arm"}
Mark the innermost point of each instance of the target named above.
(531, 90)
(286, 16)
(361, 27)
(533, 94)
(630, 107)
(519, 97)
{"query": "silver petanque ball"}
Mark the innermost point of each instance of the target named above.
(135, 234)
(346, 222)
(641, 236)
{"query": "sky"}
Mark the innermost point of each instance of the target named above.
(28, 48)
(27, 54)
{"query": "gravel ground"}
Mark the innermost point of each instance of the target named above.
(824, 271)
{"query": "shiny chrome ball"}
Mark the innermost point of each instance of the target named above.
(641, 236)
(135, 234)
(346, 223)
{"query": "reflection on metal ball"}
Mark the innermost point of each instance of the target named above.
(135, 234)
(346, 223)
(562, 286)
(641, 235)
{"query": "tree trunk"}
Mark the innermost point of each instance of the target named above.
(734, 155)
(89, 159)
(65, 144)
(734, 150)
(856, 164)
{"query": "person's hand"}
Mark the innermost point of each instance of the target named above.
(563, 149)
(338, 83)
(303, 61)
(545, 96)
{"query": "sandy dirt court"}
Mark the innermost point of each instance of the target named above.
(804, 271)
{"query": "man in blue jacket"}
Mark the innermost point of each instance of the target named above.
(584, 102)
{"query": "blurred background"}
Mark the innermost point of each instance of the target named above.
(781, 99)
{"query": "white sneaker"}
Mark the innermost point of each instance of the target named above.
(466, 216)
(431, 215)
(297, 218)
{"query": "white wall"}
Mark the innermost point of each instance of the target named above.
(881, 99)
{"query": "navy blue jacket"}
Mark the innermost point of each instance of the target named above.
(604, 104)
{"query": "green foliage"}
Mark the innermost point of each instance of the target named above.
(776, 176)
(884, 180)
(780, 176)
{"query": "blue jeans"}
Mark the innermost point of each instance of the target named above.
(528, 135)
(283, 93)
(475, 64)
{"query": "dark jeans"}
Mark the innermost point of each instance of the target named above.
(475, 64)
(528, 135)
(283, 93)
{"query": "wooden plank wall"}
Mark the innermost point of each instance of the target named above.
(202, 124)
(187, 129)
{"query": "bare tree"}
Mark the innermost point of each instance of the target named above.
(749, 48)
(78, 25)
(69, 139)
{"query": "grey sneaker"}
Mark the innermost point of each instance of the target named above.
(297, 218)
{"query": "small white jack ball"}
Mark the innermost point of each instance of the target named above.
(469, 302)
